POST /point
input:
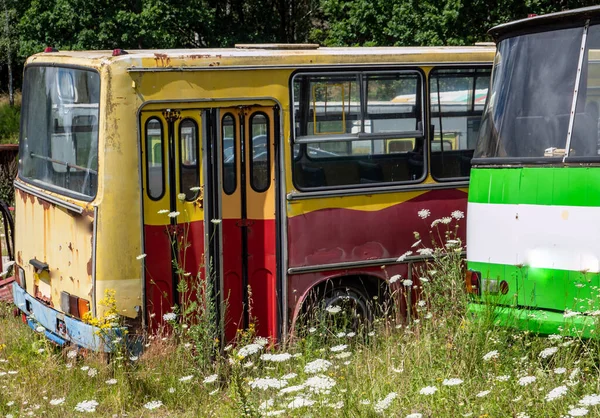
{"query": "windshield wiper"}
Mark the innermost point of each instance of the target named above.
(66, 164)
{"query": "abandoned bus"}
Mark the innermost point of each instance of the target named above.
(273, 171)
(533, 200)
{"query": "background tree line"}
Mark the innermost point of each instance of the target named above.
(31, 25)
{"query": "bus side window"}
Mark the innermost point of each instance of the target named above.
(229, 153)
(154, 159)
(457, 98)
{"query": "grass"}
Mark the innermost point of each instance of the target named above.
(441, 364)
(9, 119)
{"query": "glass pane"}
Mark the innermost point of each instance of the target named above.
(584, 140)
(188, 152)
(528, 111)
(260, 172)
(229, 150)
(154, 158)
(351, 163)
(392, 103)
(327, 105)
(59, 133)
(457, 100)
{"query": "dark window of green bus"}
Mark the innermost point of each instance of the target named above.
(260, 167)
(59, 133)
(189, 173)
(357, 129)
(229, 153)
(154, 159)
(457, 100)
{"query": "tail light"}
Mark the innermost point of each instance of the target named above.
(74, 305)
(473, 282)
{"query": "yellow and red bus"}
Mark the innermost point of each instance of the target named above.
(290, 170)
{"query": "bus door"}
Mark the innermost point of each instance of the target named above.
(247, 136)
(173, 205)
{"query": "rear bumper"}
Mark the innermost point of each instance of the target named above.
(58, 327)
(539, 321)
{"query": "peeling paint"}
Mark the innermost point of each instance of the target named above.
(162, 60)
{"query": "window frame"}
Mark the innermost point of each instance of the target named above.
(468, 113)
(43, 185)
(422, 90)
(251, 150)
(235, 153)
(162, 166)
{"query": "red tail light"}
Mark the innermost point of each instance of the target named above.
(473, 282)
(50, 49)
(119, 51)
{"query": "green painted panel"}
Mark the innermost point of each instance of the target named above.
(559, 186)
(544, 288)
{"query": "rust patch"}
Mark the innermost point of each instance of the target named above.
(70, 246)
(45, 204)
(198, 56)
(31, 198)
(22, 195)
(162, 60)
(214, 64)
(89, 267)
(20, 258)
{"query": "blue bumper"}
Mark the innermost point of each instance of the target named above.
(58, 327)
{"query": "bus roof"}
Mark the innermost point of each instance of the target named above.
(544, 22)
(266, 56)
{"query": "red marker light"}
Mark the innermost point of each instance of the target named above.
(50, 49)
(532, 15)
(119, 51)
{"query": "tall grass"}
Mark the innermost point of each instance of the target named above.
(440, 363)
(9, 119)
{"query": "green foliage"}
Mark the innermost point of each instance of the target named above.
(9, 123)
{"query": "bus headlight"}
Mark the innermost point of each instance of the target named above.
(20, 277)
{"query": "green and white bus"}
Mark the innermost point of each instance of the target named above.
(533, 224)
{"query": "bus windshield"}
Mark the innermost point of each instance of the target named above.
(59, 132)
(532, 93)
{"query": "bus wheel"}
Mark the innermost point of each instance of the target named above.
(345, 307)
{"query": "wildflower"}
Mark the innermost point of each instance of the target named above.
(299, 402)
(424, 213)
(371, 334)
(312, 330)
(395, 278)
(181, 197)
(10, 403)
(522, 415)
(415, 244)
(41, 350)
(317, 366)
(85, 368)
(403, 256)
(275, 413)
(343, 355)
(211, 393)
(333, 309)
(337, 405)
(186, 378)
(248, 364)
(452, 382)
(451, 243)
(590, 400)
(415, 415)
(289, 376)
(557, 392)
(560, 370)
(71, 354)
(249, 349)
(265, 383)
(483, 393)
(262, 341)
(428, 390)
(337, 348)
(57, 401)
(446, 220)
(111, 382)
(277, 358)
(163, 211)
(425, 251)
(171, 390)
(170, 316)
(291, 389)
(435, 223)
(153, 404)
(457, 214)
(384, 403)
(173, 214)
(428, 315)
(319, 384)
(340, 334)
(141, 256)
(553, 337)
(502, 378)
(526, 380)
(210, 379)
(351, 334)
(547, 352)
(578, 412)
(407, 282)
(86, 406)
(365, 402)
(92, 372)
(569, 314)
(421, 303)
(491, 355)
